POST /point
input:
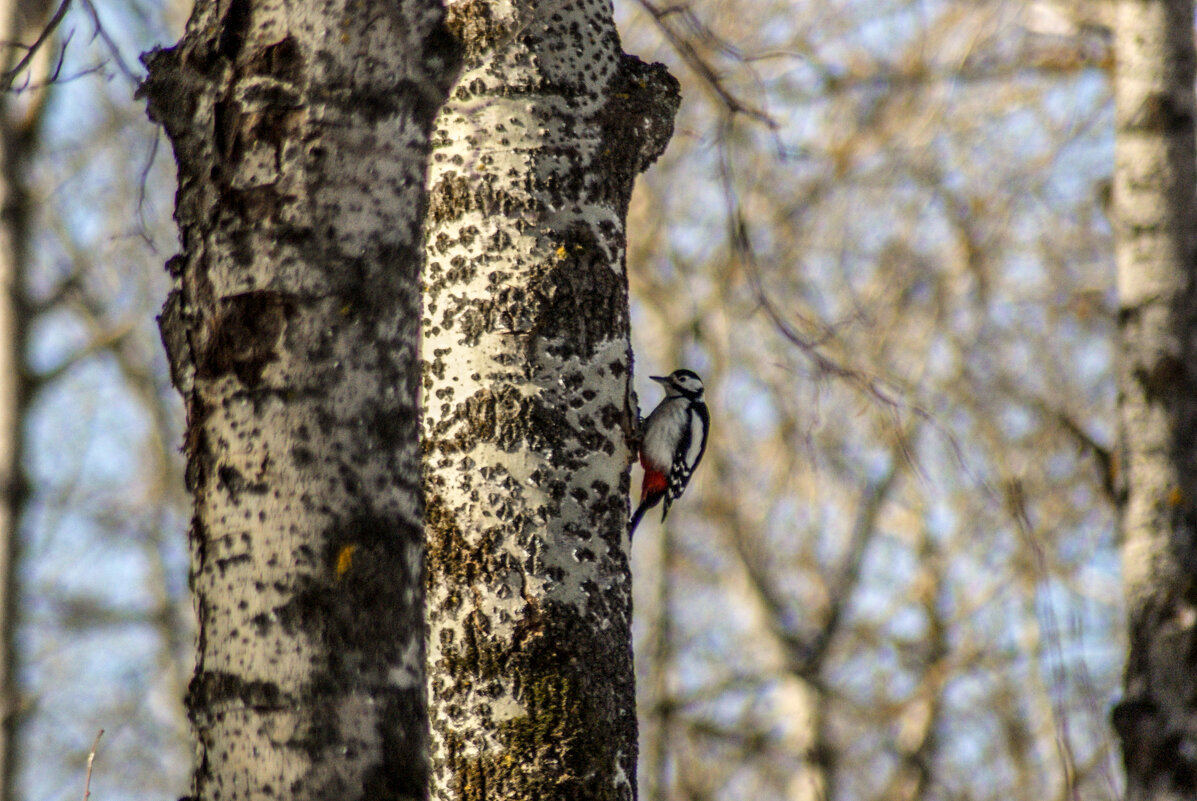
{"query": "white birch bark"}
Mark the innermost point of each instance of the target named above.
(527, 402)
(301, 134)
(1156, 246)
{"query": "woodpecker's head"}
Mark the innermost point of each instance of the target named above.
(681, 384)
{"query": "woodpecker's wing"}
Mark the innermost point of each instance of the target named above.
(692, 446)
(704, 416)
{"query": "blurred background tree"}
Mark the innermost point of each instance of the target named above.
(880, 235)
(103, 623)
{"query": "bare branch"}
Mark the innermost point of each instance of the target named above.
(710, 77)
(7, 78)
(91, 758)
(113, 50)
(100, 342)
(864, 529)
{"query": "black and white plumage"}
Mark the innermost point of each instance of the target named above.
(674, 440)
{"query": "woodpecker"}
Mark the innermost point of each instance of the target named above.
(674, 440)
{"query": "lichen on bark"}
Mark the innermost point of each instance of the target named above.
(528, 409)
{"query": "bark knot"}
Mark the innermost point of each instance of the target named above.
(643, 101)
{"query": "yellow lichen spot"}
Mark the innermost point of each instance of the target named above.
(562, 252)
(348, 307)
(345, 560)
(1175, 497)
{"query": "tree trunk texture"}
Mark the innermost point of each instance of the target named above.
(529, 415)
(1156, 246)
(20, 121)
(301, 134)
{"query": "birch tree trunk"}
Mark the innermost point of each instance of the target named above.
(1156, 247)
(301, 134)
(528, 410)
(20, 121)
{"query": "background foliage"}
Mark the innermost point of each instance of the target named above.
(879, 233)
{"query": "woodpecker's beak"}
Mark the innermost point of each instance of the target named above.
(660, 379)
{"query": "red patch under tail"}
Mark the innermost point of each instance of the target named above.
(655, 483)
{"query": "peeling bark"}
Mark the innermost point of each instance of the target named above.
(1156, 248)
(301, 134)
(528, 409)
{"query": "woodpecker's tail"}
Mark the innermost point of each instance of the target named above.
(639, 513)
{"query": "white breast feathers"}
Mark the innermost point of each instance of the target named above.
(662, 430)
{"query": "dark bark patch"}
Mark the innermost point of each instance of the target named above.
(1164, 378)
(581, 300)
(369, 287)
(210, 689)
(172, 327)
(376, 103)
(226, 121)
(172, 93)
(232, 480)
(450, 557)
(637, 124)
(282, 103)
(242, 336)
(233, 28)
(197, 541)
(260, 203)
(573, 298)
(1162, 112)
(402, 728)
(359, 613)
(282, 60)
(505, 417)
(198, 448)
(224, 563)
(443, 54)
(1156, 719)
(456, 195)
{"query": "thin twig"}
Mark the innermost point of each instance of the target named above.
(7, 79)
(113, 48)
(694, 60)
(91, 758)
(143, 179)
(811, 346)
